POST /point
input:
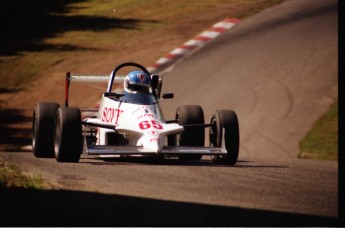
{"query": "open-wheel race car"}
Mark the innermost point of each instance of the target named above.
(131, 123)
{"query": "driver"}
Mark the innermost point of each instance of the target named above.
(137, 81)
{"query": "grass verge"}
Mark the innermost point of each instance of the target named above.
(12, 176)
(321, 142)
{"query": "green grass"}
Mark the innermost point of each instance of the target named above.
(19, 70)
(12, 176)
(321, 142)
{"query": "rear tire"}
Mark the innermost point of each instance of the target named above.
(225, 119)
(191, 136)
(43, 129)
(68, 142)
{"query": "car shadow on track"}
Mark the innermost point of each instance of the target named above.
(176, 162)
(28, 207)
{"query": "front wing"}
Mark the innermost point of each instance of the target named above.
(167, 150)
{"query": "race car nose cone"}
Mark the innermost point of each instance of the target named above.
(154, 146)
(151, 142)
(151, 149)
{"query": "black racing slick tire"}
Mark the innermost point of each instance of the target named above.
(68, 143)
(43, 129)
(191, 136)
(227, 120)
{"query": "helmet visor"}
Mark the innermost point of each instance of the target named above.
(139, 87)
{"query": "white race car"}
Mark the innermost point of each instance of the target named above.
(131, 123)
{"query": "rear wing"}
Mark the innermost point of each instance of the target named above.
(87, 79)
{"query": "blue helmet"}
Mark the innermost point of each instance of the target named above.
(137, 81)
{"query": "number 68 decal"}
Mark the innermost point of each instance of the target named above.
(148, 124)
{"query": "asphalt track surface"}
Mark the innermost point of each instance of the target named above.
(278, 71)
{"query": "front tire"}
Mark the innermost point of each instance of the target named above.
(191, 136)
(227, 120)
(43, 129)
(68, 143)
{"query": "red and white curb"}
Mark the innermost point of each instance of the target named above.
(192, 44)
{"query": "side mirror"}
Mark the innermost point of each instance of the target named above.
(168, 95)
(154, 80)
